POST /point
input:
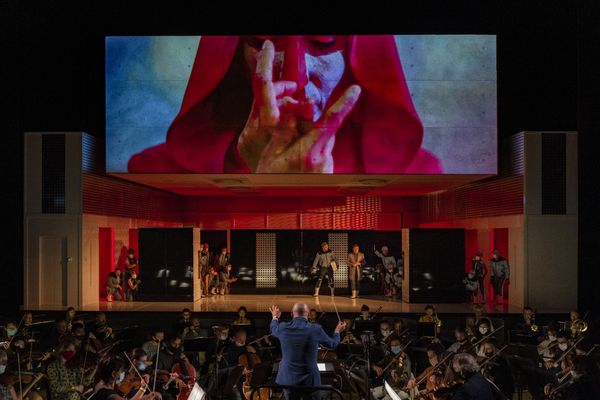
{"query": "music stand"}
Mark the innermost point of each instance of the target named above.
(517, 336)
(427, 329)
(361, 325)
(197, 345)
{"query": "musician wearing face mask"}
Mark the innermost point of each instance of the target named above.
(384, 331)
(435, 354)
(9, 331)
(495, 368)
(556, 352)
(111, 374)
(483, 329)
(217, 348)
(7, 390)
(100, 328)
(152, 345)
(398, 372)
(65, 383)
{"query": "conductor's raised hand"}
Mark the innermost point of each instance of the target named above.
(341, 326)
(275, 311)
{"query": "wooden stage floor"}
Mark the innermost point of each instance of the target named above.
(260, 303)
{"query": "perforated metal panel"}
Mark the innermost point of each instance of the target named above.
(338, 242)
(266, 260)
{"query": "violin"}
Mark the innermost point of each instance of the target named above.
(13, 378)
(129, 384)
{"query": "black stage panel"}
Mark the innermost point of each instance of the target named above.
(436, 262)
(166, 264)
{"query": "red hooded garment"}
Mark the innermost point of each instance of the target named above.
(382, 135)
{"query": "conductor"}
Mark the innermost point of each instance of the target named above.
(299, 343)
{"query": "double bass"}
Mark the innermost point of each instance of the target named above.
(249, 360)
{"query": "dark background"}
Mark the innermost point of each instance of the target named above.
(169, 249)
(54, 77)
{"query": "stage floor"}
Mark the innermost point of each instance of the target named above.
(260, 303)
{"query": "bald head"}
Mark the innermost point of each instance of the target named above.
(300, 310)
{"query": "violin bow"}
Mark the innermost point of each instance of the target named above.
(136, 370)
(156, 367)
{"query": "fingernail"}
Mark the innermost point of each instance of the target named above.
(264, 46)
(356, 90)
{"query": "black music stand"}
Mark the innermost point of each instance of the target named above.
(427, 329)
(197, 345)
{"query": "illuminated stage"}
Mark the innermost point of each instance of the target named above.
(260, 303)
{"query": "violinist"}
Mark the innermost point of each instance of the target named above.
(474, 386)
(137, 371)
(384, 331)
(556, 352)
(495, 368)
(433, 373)
(11, 381)
(9, 331)
(59, 331)
(111, 374)
(462, 343)
(483, 328)
(66, 383)
(548, 343)
(583, 384)
(395, 368)
(7, 390)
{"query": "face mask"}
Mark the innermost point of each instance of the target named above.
(120, 378)
(11, 331)
(223, 337)
(551, 338)
(489, 353)
(433, 361)
(68, 354)
(396, 349)
(238, 344)
(563, 346)
(142, 366)
(19, 345)
(2, 369)
(483, 331)
(385, 332)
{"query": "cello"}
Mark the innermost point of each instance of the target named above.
(249, 360)
(187, 375)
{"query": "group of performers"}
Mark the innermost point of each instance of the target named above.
(80, 356)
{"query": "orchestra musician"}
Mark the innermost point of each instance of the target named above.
(431, 316)
(495, 368)
(67, 383)
(395, 368)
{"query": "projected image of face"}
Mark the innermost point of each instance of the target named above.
(324, 104)
(314, 63)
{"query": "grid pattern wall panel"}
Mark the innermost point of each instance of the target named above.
(266, 260)
(338, 242)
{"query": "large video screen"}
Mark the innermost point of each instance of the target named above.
(363, 104)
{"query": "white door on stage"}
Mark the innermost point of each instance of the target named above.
(53, 270)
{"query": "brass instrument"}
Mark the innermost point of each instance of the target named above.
(578, 327)
(533, 326)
